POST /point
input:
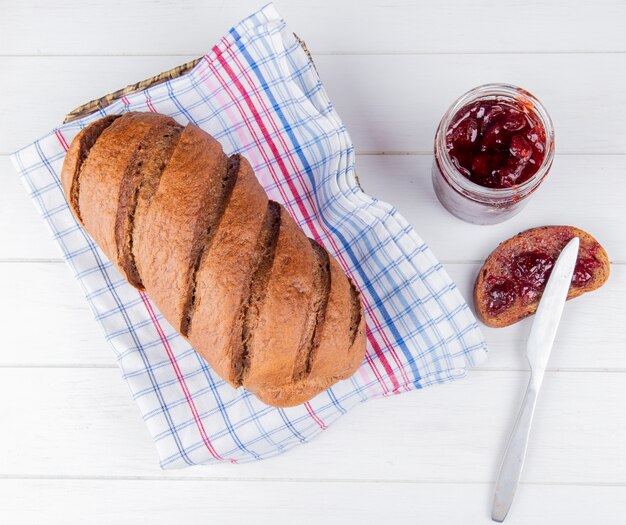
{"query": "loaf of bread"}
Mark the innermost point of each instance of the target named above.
(268, 308)
(510, 283)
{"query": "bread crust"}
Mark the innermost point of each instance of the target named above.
(284, 310)
(101, 177)
(77, 153)
(267, 307)
(220, 293)
(332, 362)
(165, 233)
(338, 331)
(549, 240)
(144, 169)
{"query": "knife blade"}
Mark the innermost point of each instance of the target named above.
(538, 350)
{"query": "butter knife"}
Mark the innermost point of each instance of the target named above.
(538, 351)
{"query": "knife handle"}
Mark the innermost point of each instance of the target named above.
(513, 461)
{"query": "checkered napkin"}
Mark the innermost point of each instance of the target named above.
(259, 94)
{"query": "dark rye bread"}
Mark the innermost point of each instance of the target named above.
(180, 220)
(269, 309)
(249, 310)
(505, 292)
(101, 179)
(216, 323)
(319, 300)
(343, 328)
(141, 177)
(76, 154)
(339, 329)
(205, 233)
(282, 312)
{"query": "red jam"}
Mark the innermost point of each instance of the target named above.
(501, 295)
(583, 271)
(529, 273)
(497, 143)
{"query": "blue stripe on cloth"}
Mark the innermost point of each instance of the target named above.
(205, 369)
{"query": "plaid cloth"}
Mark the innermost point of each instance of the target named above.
(259, 94)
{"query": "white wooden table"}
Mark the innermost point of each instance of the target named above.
(73, 448)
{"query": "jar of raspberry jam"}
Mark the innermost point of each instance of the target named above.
(493, 148)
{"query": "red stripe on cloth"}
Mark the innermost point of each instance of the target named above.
(170, 354)
(179, 376)
(296, 170)
(61, 139)
(181, 380)
(312, 413)
(257, 142)
(149, 103)
(304, 192)
(298, 197)
(281, 163)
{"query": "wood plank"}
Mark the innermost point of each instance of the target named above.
(387, 102)
(431, 456)
(395, 103)
(585, 191)
(400, 26)
(82, 422)
(233, 502)
(50, 87)
(48, 321)
(24, 234)
(591, 334)
(593, 337)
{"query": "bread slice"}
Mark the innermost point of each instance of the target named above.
(510, 283)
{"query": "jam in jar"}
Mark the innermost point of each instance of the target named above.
(493, 148)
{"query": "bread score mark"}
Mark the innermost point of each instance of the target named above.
(87, 141)
(263, 260)
(141, 177)
(203, 237)
(319, 301)
(355, 312)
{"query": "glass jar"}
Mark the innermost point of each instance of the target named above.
(473, 202)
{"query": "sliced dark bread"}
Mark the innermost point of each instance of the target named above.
(510, 283)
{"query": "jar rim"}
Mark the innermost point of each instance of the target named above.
(471, 189)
